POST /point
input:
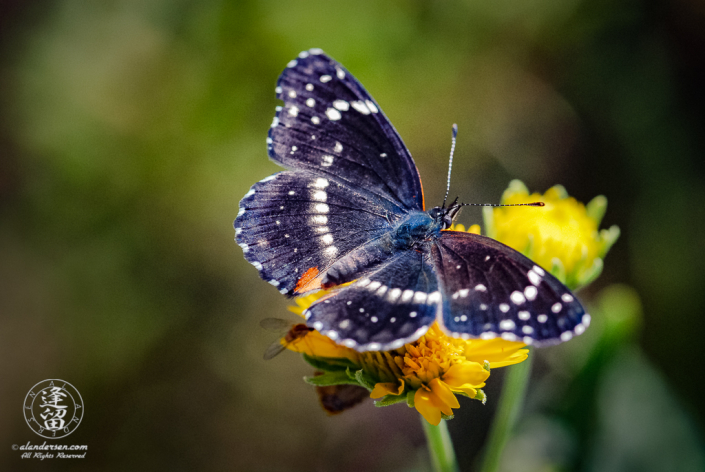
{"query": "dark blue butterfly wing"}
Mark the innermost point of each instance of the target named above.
(492, 290)
(293, 225)
(391, 306)
(330, 125)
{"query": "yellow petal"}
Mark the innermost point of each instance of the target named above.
(445, 395)
(465, 374)
(387, 388)
(317, 345)
(425, 404)
(497, 351)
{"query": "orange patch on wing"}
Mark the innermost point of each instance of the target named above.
(423, 197)
(308, 281)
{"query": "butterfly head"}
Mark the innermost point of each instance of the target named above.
(444, 216)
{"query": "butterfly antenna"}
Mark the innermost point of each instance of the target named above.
(534, 204)
(450, 164)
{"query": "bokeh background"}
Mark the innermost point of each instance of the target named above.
(129, 130)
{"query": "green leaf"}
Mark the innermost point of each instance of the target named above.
(410, 398)
(329, 364)
(488, 220)
(390, 400)
(516, 186)
(558, 269)
(365, 380)
(331, 378)
(481, 396)
(590, 274)
(609, 237)
(596, 208)
(561, 191)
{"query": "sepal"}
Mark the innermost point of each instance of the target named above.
(390, 400)
(331, 378)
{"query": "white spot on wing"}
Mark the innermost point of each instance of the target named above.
(542, 318)
(338, 147)
(321, 208)
(320, 195)
(341, 105)
(292, 93)
(310, 102)
(567, 336)
(325, 78)
(524, 315)
(503, 307)
(339, 72)
(507, 325)
(344, 324)
(257, 265)
(530, 292)
(527, 329)
(361, 107)
(566, 297)
(407, 296)
(435, 297)
(294, 111)
(371, 106)
(517, 297)
(274, 282)
(315, 120)
(327, 160)
(320, 183)
(556, 307)
(333, 114)
(331, 250)
(534, 278)
(309, 87)
(480, 288)
(319, 219)
(539, 270)
(327, 239)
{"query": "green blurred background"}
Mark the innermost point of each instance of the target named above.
(129, 130)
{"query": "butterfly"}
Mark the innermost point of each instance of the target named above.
(349, 215)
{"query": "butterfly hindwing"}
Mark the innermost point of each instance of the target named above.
(492, 290)
(330, 125)
(391, 306)
(293, 225)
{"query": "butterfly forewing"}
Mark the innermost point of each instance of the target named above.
(293, 225)
(492, 290)
(392, 306)
(330, 125)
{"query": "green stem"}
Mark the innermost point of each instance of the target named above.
(440, 447)
(510, 404)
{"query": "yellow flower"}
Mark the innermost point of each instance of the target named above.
(562, 236)
(427, 373)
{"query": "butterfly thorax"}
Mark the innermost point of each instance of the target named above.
(418, 227)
